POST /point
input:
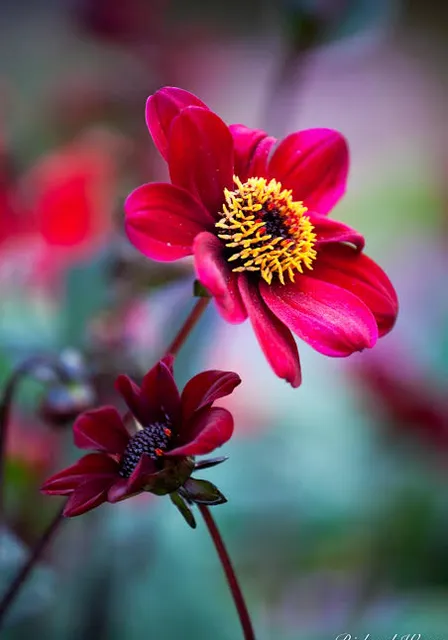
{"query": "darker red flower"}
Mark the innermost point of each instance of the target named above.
(171, 429)
(253, 215)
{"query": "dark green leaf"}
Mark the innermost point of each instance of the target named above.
(185, 510)
(203, 492)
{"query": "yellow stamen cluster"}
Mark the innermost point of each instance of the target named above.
(267, 229)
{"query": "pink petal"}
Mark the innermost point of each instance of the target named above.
(210, 428)
(314, 164)
(214, 273)
(101, 429)
(162, 221)
(161, 109)
(206, 387)
(330, 319)
(274, 337)
(201, 156)
(252, 148)
(90, 467)
(331, 231)
(86, 497)
(343, 266)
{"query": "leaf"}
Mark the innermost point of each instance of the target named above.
(184, 509)
(203, 492)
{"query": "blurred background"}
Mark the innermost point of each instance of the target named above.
(337, 517)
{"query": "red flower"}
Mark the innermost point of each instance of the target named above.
(159, 456)
(254, 216)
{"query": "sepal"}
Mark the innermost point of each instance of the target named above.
(184, 509)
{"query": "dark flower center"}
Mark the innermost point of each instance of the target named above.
(153, 440)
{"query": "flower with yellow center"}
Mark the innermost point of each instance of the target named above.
(253, 214)
(266, 230)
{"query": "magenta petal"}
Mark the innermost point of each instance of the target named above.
(206, 387)
(101, 429)
(330, 231)
(274, 337)
(343, 266)
(161, 109)
(314, 164)
(208, 429)
(201, 156)
(331, 320)
(214, 273)
(162, 221)
(86, 497)
(252, 148)
(90, 467)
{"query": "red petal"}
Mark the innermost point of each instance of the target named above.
(331, 231)
(330, 319)
(210, 428)
(157, 399)
(214, 273)
(127, 487)
(274, 337)
(314, 164)
(160, 394)
(90, 467)
(201, 156)
(101, 429)
(252, 148)
(161, 109)
(206, 387)
(162, 221)
(355, 272)
(86, 497)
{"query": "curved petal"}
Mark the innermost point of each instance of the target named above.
(200, 156)
(331, 320)
(161, 109)
(343, 266)
(314, 164)
(214, 273)
(332, 231)
(127, 487)
(157, 400)
(274, 337)
(101, 429)
(86, 497)
(208, 429)
(252, 148)
(160, 395)
(90, 467)
(162, 221)
(206, 387)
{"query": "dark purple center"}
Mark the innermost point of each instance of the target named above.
(152, 440)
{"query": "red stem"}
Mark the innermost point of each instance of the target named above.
(36, 553)
(188, 326)
(235, 589)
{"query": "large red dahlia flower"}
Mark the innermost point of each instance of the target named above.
(159, 456)
(253, 214)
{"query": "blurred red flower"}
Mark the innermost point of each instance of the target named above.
(254, 217)
(60, 211)
(159, 456)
